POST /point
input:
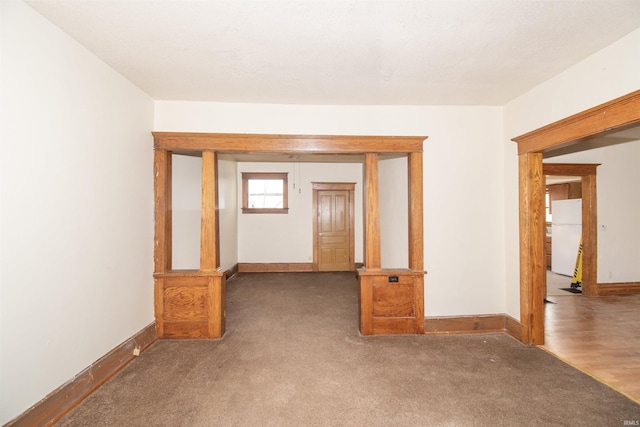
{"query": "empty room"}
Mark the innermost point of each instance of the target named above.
(291, 212)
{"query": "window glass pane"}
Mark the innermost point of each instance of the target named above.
(265, 193)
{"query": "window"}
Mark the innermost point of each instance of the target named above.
(264, 192)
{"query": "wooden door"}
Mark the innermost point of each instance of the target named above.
(333, 228)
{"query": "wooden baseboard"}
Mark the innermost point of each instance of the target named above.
(282, 267)
(622, 288)
(55, 405)
(231, 271)
(472, 325)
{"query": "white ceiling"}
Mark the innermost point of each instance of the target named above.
(411, 52)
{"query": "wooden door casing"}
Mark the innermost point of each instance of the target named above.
(618, 114)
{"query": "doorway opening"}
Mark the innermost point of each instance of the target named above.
(586, 174)
(616, 115)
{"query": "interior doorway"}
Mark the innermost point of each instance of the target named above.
(587, 175)
(618, 114)
(333, 226)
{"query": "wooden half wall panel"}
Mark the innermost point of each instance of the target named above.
(190, 304)
(391, 301)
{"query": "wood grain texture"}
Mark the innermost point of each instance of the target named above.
(365, 303)
(391, 307)
(188, 329)
(262, 143)
(158, 303)
(162, 209)
(209, 253)
(393, 300)
(190, 304)
(371, 213)
(55, 405)
(532, 254)
(570, 169)
(618, 288)
(416, 212)
(217, 298)
(589, 236)
(600, 336)
(618, 114)
(317, 187)
(186, 303)
(465, 324)
(485, 323)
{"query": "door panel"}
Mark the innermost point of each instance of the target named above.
(333, 230)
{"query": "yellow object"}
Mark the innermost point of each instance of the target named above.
(577, 272)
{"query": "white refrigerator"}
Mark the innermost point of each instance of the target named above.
(566, 231)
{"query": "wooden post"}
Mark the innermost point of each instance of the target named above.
(532, 259)
(162, 195)
(416, 234)
(209, 219)
(162, 231)
(589, 237)
(371, 212)
(416, 206)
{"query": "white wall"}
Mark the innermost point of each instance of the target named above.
(228, 209)
(618, 199)
(394, 212)
(186, 198)
(608, 74)
(289, 238)
(186, 212)
(463, 181)
(77, 209)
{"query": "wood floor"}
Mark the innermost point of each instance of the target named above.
(600, 335)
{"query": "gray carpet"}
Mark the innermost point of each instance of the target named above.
(292, 356)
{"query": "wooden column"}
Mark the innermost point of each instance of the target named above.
(416, 206)
(416, 235)
(210, 246)
(532, 258)
(162, 238)
(371, 213)
(162, 195)
(589, 237)
(209, 218)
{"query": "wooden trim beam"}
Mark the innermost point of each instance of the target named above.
(162, 200)
(570, 169)
(611, 116)
(372, 258)
(311, 144)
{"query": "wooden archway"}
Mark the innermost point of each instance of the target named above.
(616, 115)
(191, 303)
